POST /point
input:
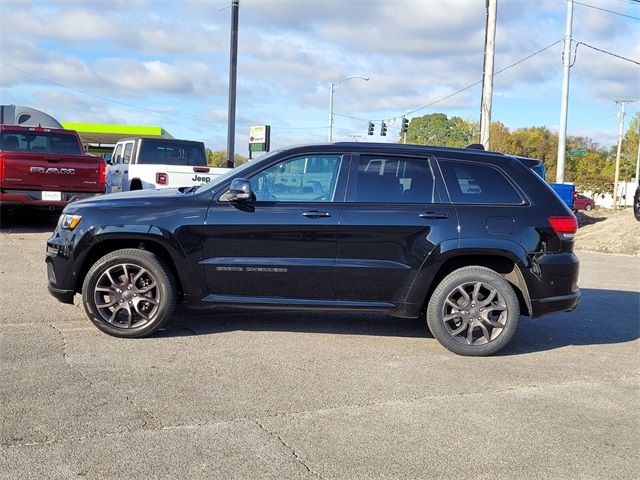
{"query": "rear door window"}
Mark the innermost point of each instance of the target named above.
(394, 180)
(128, 149)
(478, 183)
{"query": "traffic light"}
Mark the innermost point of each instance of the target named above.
(370, 129)
(405, 125)
(383, 129)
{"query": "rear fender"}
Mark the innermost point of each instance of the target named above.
(438, 264)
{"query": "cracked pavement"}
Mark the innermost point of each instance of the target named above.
(256, 395)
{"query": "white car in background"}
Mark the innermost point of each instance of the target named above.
(151, 163)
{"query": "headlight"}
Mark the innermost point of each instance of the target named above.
(70, 222)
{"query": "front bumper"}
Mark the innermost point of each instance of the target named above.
(62, 259)
(64, 296)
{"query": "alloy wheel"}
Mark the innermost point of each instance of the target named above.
(127, 295)
(474, 313)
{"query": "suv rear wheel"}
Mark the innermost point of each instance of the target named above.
(473, 311)
(129, 293)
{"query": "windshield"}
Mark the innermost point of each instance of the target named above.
(162, 152)
(235, 171)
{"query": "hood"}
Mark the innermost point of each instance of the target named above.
(134, 199)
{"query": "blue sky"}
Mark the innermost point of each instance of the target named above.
(166, 63)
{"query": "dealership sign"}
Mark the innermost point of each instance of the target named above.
(259, 138)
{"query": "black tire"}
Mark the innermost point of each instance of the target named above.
(136, 184)
(588, 207)
(447, 323)
(147, 293)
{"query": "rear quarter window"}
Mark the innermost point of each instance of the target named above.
(478, 183)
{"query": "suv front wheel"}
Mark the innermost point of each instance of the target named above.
(473, 311)
(129, 293)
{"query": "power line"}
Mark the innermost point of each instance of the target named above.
(409, 112)
(604, 51)
(136, 107)
(608, 11)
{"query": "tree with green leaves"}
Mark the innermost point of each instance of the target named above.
(218, 158)
(439, 130)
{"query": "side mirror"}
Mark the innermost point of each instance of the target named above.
(240, 190)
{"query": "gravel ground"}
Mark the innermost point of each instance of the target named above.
(607, 231)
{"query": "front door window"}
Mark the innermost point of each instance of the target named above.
(302, 179)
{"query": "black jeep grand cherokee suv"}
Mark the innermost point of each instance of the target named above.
(472, 239)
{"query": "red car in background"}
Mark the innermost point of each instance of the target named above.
(581, 202)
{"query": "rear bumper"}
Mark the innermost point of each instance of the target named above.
(553, 283)
(563, 303)
(33, 198)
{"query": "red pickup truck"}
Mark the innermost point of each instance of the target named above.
(46, 167)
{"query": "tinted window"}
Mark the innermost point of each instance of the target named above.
(301, 179)
(477, 183)
(172, 153)
(39, 142)
(394, 180)
(64, 144)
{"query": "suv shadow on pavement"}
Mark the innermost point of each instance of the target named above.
(603, 317)
(28, 221)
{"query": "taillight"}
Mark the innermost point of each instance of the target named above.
(102, 174)
(162, 178)
(201, 169)
(564, 226)
(1, 168)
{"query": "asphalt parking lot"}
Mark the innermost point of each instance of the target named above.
(282, 395)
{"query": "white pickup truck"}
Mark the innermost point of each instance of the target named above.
(151, 163)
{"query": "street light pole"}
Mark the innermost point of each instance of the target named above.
(616, 177)
(332, 88)
(564, 105)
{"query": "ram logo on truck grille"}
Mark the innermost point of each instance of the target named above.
(57, 171)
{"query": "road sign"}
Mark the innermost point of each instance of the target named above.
(578, 153)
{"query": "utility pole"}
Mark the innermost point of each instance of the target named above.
(487, 79)
(616, 177)
(233, 73)
(638, 159)
(564, 103)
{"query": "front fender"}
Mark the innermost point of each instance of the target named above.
(190, 275)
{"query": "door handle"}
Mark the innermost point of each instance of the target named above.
(316, 214)
(434, 215)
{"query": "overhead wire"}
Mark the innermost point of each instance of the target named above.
(607, 10)
(446, 97)
(140, 108)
